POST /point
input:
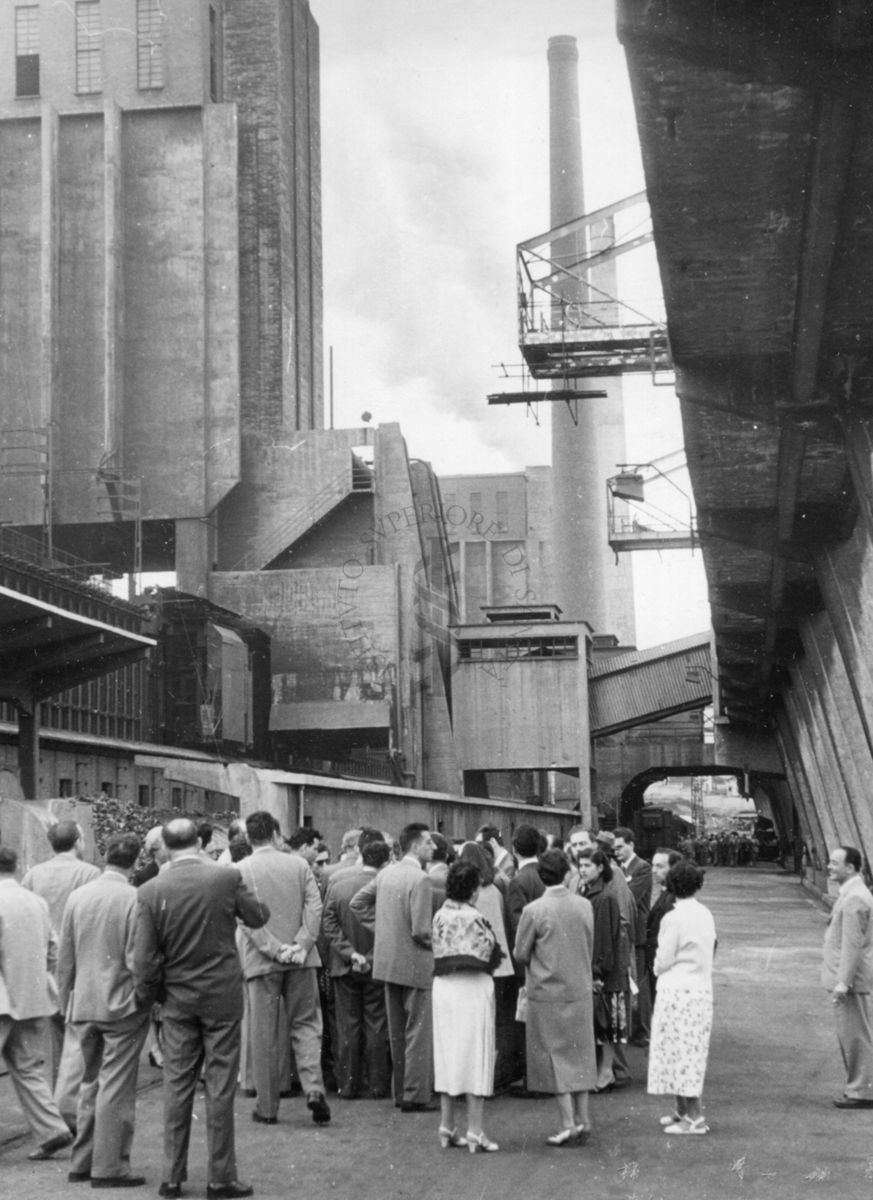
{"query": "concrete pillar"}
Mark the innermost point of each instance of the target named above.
(818, 783)
(810, 824)
(49, 252)
(589, 584)
(845, 725)
(113, 288)
(195, 555)
(28, 747)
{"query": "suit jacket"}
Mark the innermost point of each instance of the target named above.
(663, 904)
(638, 874)
(524, 887)
(56, 879)
(398, 907)
(185, 947)
(95, 956)
(28, 953)
(343, 932)
(286, 885)
(848, 945)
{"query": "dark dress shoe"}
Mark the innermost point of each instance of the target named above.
(51, 1147)
(79, 1177)
(852, 1102)
(417, 1106)
(118, 1181)
(319, 1108)
(259, 1120)
(229, 1191)
(170, 1191)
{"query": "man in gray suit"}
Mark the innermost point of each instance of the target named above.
(847, 973)
(185, 956)
(398, 907)
(280, 962)
(28, 953)
(55, 880)
(95, 986)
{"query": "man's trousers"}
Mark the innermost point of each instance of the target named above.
(855, 1034)
(410, 1029)
(107, 1097)
(189, 1043)
(22, 1045)
(361, 1050)
(291, 996)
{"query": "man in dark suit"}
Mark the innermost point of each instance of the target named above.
(524, 887)
(362, 1022)
(638, 874)
(185, 956)
(662, 861)
(397, 906)
(95, 990)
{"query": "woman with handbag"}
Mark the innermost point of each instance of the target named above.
(465, 951)
(610, 963)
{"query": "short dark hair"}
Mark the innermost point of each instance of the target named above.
(8, 860)
(684, 879)
(369, 834)
(444, 851)
(602, 860)
(478, 854)
(204, 833)
(673, 856)
(626, 835)
(260, 826)
(527, 841)
(553, 866)
(239, 847)
(122, 850)
(301, 837)
(180, 834)
(486, 832)
(410, 834)
(853, 857)
(63, 836)
(462, 880)
(375, 854)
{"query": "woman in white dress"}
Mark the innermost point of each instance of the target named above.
(465, 953)
(682, 1018)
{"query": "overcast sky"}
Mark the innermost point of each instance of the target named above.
(435, 165)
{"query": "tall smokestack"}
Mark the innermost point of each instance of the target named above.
(590, 586)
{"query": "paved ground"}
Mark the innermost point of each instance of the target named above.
(773, 1072)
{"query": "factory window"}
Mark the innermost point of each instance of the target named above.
(476, 502)
(149, 44)
(65, 787)
(89, 73)
(502, 512)
(27, 50)
(144, 795)
(512, 649)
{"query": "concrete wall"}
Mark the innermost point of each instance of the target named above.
(618, 757)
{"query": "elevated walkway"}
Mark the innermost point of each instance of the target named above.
(639, 686)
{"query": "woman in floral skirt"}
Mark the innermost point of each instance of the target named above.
(682, 1019)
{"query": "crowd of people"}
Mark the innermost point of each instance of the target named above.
(725, 848)
(407, 968)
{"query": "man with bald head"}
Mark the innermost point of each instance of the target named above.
(186, 957)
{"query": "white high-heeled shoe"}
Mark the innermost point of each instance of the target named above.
(451, 1137)
(478, 1143)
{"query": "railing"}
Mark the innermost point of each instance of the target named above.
(36, 553)
(301, 520)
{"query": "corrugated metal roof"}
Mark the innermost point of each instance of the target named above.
(645, 685)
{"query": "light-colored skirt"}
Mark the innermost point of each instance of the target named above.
(679, 1046)
(463, 1033)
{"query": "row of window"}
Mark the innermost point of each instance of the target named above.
(513, 649)
(89, 57)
